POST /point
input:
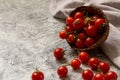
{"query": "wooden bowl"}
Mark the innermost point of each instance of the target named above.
(92, 11)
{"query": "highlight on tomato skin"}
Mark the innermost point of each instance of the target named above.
(93, 63)
(104, 66)
(75, 63)
(37, 75)
(58, 53)
(84, 56)
(62, 71)
(87, 74)
(99, 76)
(111, 75)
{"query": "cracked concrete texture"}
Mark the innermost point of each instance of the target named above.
(28, 36)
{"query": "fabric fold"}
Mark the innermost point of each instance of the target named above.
(111, 8)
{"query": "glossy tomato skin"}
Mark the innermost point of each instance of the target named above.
(82, 35)
(75, 63)
(79, 43)
(83, 56)
(71, 38)
(37, 76)
(69, 21)
(104, 67)
(63, 34)
(87, 74)
(78, 15)
(93, 63)
(89, 41)
(78, 23)
(111, 75)
(58, 53)
(69, 29)
(91, 31)
(98, 23)
(99, 76)
(62, 71)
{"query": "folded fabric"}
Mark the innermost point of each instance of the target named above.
(62, 8)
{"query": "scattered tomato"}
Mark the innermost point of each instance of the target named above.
(93, 63)
(111, 75)
(99, 76)
(59, 53)
(62, 71)
(83, 56)
(37, 75)
(87, 74)
(104, 67)
(75, 63)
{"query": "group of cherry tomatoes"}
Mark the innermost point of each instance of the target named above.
(102, 67)
(82, 30)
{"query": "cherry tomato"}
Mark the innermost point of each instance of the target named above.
(79, 43)
(78, 23)
(71, 38)
(75, 63)
(98, 23)
(99, 76)
(63, 34)
(38, 75)
(78, 15)
(83, 56)
(69, 29)
(87, 74)
(93, 63)
(62, 71)
(93, 19)
(59, 53)
(89, 41)
(82, 36)
(69, 21)
(111, 75)
(91, 30)
(104, 67)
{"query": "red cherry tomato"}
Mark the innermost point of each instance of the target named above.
(83, 56)
(111, 75)
(78, 23)
(93, 63)
(69, 21)
(58, 53)
(75, 63)
(71, 38)
(62, 71)
(89, 41)
(69, 29)
(93, 19)
(79, 43)
(91, 30)
(38, 75)
(78, 15)
(63, 34)
(82, 36)
(104, 67)
(87, 74)
(98, 23)
(99, 76)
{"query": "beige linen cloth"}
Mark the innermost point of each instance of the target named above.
(62, 8)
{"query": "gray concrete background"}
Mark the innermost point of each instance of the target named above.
(28, 36)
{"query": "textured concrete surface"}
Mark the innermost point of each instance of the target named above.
(28, 36)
